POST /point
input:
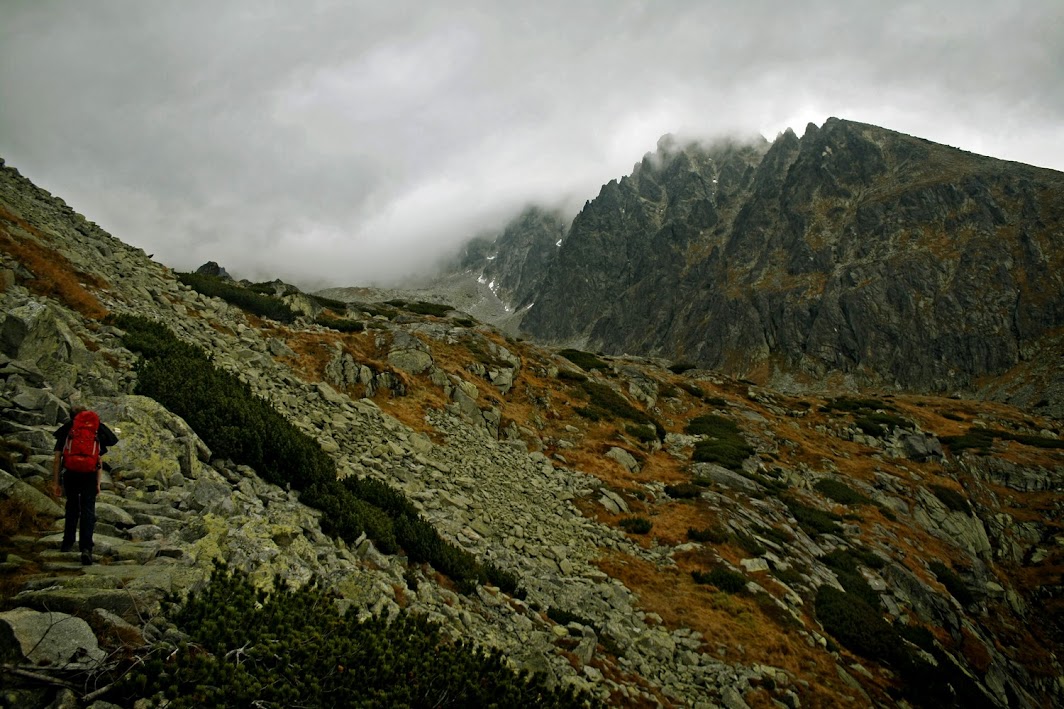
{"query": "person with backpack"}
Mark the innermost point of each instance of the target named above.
(76, 470)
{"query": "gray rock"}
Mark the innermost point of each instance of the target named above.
(410, 360)
(626, 459)
(613, 502)
(50, 639)
(29, 498)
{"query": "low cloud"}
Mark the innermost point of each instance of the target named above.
(354, 143)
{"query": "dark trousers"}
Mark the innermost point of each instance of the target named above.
(80, 491)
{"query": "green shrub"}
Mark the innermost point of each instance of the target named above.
(331, 303)
(846, 567)
(422, 308)
(642, 433)
(681, 367)
(584, 360)
(465, 322)
(790, 576)
(375, 310)
(342, 325)
(979, 439)
(683, 491)
(256, 303)
(918, 635)
(294, 648)
(606, 404)
(773, 485)
(812, 520)
(569, 375)
(1030, 440)
(723, 578)
(749, 544)
(853, 405)
(952, 582)
(952, 499)
(636, 525)
(726, 446)
(712, 535)
(840, 492)
(692, 389)
(712, 425)
(780, 536)
(877, 424)
(859, 627)
(726, 454)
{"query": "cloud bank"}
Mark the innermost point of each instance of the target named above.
(351, 143)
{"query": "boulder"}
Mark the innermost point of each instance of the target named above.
(410, 360)
(48, 639)
(626, 459)
(28, 498)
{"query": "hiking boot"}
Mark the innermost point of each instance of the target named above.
(86, 558)
(66, 548)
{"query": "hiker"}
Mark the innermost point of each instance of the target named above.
(76, 470)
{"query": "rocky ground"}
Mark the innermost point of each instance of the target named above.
(479, 432)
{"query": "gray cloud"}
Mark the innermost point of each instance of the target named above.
(349, 142)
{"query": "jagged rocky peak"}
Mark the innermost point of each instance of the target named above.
(524, 252)
(211, 268)
(853, 251)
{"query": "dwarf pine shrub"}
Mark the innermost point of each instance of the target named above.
(952, 582)
(340, 324)
(606, 404)
(294, 648)
(723, 578)
(840, 492)
(952, 499)
(725, 445)
(636, 525)
(683, 491)
(714, 534)
(584, 360)
(812, 520)
(266, 306)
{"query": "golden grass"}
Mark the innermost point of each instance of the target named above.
(735, 623)
(54, 276)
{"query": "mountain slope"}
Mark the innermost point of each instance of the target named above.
(680, 537)
(853, 251)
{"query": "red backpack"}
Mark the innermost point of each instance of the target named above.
(81, 454)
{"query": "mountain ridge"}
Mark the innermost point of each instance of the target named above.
(853, 254)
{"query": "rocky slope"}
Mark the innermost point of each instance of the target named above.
(544, 467)
(854, 253)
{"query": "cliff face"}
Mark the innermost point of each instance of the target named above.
(853, 250)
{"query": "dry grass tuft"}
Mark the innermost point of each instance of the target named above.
(54, 276)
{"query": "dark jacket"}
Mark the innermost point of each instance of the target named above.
(104, 436)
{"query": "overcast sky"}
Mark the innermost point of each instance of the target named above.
(349, 143)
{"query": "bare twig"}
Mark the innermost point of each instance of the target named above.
(36, 676)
